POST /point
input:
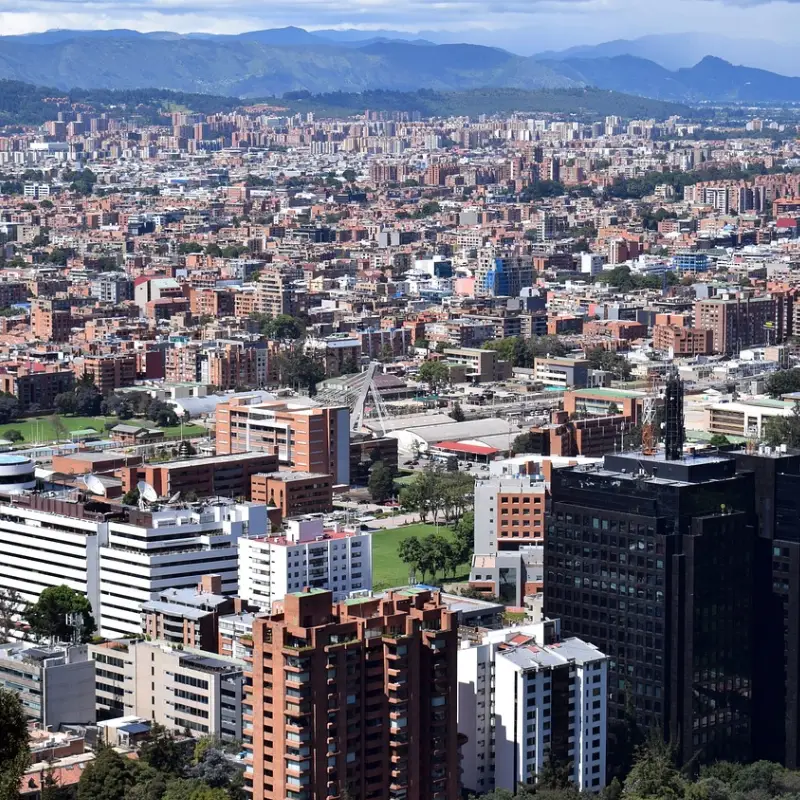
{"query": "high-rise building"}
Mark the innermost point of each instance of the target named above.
(776, 677)
(740, 322)
(119, 557)
(308, 438)
(509, 513)
(652, 561)
(502, 274)
(526, 698)
(305, 554)
(359, 696)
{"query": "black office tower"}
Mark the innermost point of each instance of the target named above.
(651, 560)
(776, 667)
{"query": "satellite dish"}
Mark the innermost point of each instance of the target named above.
(147, 492)
(174, 498)
(94, 485)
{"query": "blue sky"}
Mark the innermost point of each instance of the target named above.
(521, 25)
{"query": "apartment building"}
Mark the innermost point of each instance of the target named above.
(740, 322)
(502, 275)
(509, 513)
(678, 341)
(182, 690)
(525, 697)
(358, 695)
(308, 438)
(292, 494)
(54, 684)
(224, 476)
(473, 364)
(278, 293)
(189, 617)
(339, 353)
(565, 373)
(51, 320)
(34, 384)
(109, 372)
(304, 554)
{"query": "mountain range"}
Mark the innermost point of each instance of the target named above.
(273, 62)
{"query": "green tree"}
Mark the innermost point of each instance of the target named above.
(719, 440)
(783, 382)
(783, 430)
(12, 607)
(131, 497)
(457, 413)
(282, 327)
(13, 744)
(653, 775)
(409, 551)
(525, 443)
(350, 175)
(617, 365)
(464, 537)
(381, 482)
(9, 407)
(13, 435)
(108, 777)
(187, 248)
(47, 616)
(162, 752)
(435, 373)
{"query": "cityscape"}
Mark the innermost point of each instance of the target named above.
(431, 434)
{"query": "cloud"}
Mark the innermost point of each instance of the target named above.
(524, 25)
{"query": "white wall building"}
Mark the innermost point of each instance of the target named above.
(306, 554)
(170, 549)
(119, 558)
(528, 701)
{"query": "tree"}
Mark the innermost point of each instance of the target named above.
(47, 616)
(214, 769)
(719, 440)
(162, 752)
(457, 413)
(464, 537)
(65, 403)
(783, 382)
(60, 430)
(783, 430)
(52, 790)
(381, 482)
(653, 775)
(300, 370)
(349, 175)
(14, 436)
(9, 407)
(131, 497)
(282, 327)
(187, 248)
(617, 365)
(525, 443)
(435, 373)
(108, 777)
(11, 607)
(13, 744)
(409, 551)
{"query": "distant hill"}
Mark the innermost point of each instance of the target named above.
(24, 104)
(273, 62)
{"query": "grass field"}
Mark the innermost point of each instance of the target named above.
(40, 430)
(387, 568)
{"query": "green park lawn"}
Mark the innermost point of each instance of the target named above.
(40, 430)
(387, 568)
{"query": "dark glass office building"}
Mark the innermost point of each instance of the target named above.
(776, 668)
(652, 561)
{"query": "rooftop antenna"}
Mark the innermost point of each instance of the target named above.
(147, 495)
(74, 621)
(94, 485)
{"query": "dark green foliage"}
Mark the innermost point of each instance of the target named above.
(783, 430)
(542, 189)
(525, 443)
(381, 482)
(47, 616)
(13, 744)
(617, 365)
(624, 280)
(9, 407)
(108, 777)
(521, 352)
(783, 382)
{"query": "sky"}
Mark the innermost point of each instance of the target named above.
(524, 26)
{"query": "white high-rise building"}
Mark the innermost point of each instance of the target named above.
(119, 557)
(525, 697)
(153, 551)
(306, 554)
